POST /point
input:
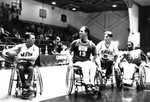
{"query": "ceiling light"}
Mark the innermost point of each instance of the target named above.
(73, 9)
(53, 3)
(114, 5)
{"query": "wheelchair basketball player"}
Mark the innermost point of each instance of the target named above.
(107, 51)
(27, 54)
(129, 62)
(82, 49)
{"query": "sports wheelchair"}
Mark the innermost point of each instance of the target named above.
(74, 77)
(36, 81)
(138, 77)
(111, 77)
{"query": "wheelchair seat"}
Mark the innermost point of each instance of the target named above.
(138, 77)
(77, 69)
(74, 77)
(36, 81)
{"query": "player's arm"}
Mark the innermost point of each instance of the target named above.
(95, 56)
(70, 51)
(116, 51)
(34, 56)
(15, 48)
(144, 57)
(119, 59)
(98, 48)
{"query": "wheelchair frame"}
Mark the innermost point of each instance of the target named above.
(37, 79)
(138, 77)
(111, 78)
(72, 80)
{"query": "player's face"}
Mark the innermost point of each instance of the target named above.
(82, 32)
(31, 40)
(107, 38)
(130, 47)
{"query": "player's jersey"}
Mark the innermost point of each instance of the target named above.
(82, 51)
(134, 56)
(107, 52)
(27, 52)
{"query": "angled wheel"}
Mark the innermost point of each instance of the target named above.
(142, 77)
(118, 78)
(18, 84)
(13, 70)
(69, 79)
(98, 82)
(39, 79)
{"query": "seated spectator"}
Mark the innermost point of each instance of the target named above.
(58, 46)
(17, 35)
(64, 49)
(42, 39)
(3, 34)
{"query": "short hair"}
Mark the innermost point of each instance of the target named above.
(58, 38)
(87, 30)
(109, 33)
(28, 34)
(130, 42)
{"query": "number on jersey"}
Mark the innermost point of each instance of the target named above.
(82, 50)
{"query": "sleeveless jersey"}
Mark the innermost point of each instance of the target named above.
(82, 51)
(106, 52)
(26, 52)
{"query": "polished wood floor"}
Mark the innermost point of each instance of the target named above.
(55, 90)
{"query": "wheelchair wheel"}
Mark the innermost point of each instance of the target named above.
(18, 85)
(142, 77)
(118, 78)
(13, 70)
(39, 79)
(35, 78)
(98, 81)
(69, 79)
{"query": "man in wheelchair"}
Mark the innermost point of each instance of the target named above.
(82, 49)
(129, 62)
(27, 53)
(107, 51)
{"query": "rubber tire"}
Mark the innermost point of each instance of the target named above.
(13, 71)
(69, 75)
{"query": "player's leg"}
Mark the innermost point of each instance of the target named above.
(21, 70)
(85, 70)
(128, 70)
(30, 78)
(92, 67)
(109, 68)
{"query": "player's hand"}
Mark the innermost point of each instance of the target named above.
(4, 53)
(70, 64)
(16, 58)
(99, 69)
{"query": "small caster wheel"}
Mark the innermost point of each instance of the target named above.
(112, 86)
(76, 92)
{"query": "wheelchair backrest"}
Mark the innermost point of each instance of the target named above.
(37, 62)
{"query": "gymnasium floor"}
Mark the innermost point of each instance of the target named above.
(55, 90)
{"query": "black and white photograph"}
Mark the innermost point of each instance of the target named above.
(74, 51)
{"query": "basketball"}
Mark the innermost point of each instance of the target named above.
(11, 55)
(148, 54)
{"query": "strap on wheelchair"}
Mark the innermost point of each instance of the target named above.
(76, 66)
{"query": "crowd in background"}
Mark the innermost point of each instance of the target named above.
(9, 11)
(45, 34)
(12, 31)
